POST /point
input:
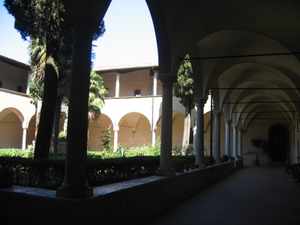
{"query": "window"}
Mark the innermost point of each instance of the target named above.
(1, 84)
(137, 92)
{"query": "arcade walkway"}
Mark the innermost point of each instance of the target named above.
(254, 196)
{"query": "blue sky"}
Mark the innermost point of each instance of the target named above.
(129, 39)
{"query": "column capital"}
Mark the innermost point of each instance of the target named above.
(201, 102)
(116, 128)
(228, 121)
(166, 78)
(217, 113)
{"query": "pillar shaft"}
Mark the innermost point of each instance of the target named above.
(117, 88)
(227, 138)
(294, 149)
(24, 137)
(166, 126)
(116, 137)
(234, 141)
(199, 136)
(239, 142)
(153, 141)
(154, 84)
(75, 182)
(216, 136)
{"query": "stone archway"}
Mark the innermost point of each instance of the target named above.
(97, 129)
(134, 130)
(177, 130)
(10, 128)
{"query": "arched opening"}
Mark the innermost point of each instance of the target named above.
(207, 134)
(177, 130)
(31, 131)
(278, 142)
(134, 130)
(125, 34)
(10, 129)
(97, 130)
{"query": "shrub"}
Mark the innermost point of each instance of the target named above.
(10, 152)
(62, 136)
(107, 139)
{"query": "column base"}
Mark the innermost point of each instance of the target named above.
(166, 172)
(72, 191)
(200, 165)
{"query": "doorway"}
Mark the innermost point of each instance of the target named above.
(278, 142)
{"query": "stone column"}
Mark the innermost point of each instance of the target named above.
(153, 141)
(294, 150)
(242, 131)
(216, 136)
(239, 142)
(199, 135)
(155, 83)
(24, 138)
(166, 125)
(117, 88)
(227, 138)
(75, 183)
(116, 137)
(234, 141)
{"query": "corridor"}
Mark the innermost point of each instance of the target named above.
(254, 196)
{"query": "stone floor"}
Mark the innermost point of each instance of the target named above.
(252, 196)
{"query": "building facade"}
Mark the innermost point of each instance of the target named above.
(132, 109)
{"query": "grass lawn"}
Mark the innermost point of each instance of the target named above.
(122, 152)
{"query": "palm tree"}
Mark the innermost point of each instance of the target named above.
(62, 67)
(43, 86)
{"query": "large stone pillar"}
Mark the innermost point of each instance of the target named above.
(166, 125)
(239, 142)
(24, 138)
(199, 134)
(116, 137)
(75, 182)
(154, 92)
(153, 138)
(234, 141)
(227, 138)
(216, 136)
(294, 146)
(117, 87)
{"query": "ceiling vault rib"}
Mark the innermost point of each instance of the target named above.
(241, 56)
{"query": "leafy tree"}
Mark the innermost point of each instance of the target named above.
(43, 22)
(96, 95)
(184, 89)
(46, 23)
(107, 139)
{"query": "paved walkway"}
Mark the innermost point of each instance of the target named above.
(252, 196)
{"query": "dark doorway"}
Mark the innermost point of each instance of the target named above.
(278, 142)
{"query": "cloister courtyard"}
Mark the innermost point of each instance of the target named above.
(210, 135)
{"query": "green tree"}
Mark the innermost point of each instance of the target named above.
(184, 90)
(46, 23)
(96, 95)
(107, 139)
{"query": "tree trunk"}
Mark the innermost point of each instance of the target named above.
(56, 124)
(43, 139)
